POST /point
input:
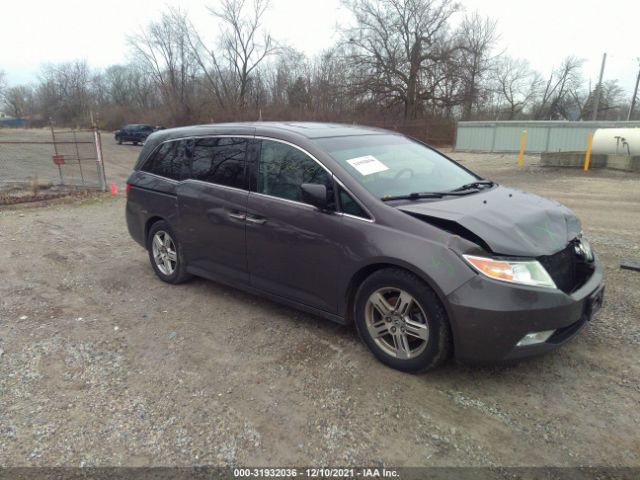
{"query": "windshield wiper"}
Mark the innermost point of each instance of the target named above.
(459, 191)
(412, 196)
(477, 185)
(419, 195)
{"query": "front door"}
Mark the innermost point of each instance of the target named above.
(212, 206)
(290, 250)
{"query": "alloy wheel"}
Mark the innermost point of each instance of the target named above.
(164, 252)
(397, 323)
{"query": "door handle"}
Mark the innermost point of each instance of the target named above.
(255, 220)
(237, 215)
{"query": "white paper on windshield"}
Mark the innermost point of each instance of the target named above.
(367, 165)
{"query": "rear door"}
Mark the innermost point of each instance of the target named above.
(145, 131)
(154, 187)
(292, 251)
(125, 133)
(212, 208)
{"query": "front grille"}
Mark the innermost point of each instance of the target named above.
(567, 269)
(561, 268)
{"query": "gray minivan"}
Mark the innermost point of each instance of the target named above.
(366, 226)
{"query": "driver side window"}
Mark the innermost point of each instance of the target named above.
(283, 168)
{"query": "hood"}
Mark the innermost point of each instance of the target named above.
(510, 222)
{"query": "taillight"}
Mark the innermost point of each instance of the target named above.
(127, 188)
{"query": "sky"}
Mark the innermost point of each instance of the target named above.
(542, 31)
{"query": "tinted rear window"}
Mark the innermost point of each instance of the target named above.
(220, 161)
(167, 161)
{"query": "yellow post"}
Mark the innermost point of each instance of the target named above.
(587, 158)
(523, 144)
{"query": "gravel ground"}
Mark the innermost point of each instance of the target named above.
(103, 364)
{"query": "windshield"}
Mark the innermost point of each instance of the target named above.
(392, 165)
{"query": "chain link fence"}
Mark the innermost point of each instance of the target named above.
(48, 162)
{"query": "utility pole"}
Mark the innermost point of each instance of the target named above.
(599, 89)
(635, 95)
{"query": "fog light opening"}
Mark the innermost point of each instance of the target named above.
(534, 338)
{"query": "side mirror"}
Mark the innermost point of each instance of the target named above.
(316, 195)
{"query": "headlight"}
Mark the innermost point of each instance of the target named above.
(583, 248)
(523, 272)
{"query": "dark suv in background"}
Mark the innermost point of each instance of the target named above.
(135, 133)
(367, 226)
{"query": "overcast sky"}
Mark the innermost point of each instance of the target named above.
(542, 31)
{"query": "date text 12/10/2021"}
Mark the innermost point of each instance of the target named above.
(315, 473)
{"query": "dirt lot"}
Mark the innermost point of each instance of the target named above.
(103, 364)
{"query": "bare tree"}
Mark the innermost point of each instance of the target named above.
(477, 37)
(163, 52)
(145, 94)
(19, 101)
(399, 62)
(116, 85)
(393, 45)
(515, 85)
(330, 84)
(3, 84)
(280, 75)
(64, 92)
(214, 76)
(557, 96)
(441, 81)
(612, 101)
(127, 86)
(243, 45)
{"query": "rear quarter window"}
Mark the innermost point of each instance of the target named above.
(167, 161)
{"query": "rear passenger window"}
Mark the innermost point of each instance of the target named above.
(167, 161)
(349, 205)
(284, 168)
(220, 161)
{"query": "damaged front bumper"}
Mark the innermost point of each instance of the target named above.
(489, 318)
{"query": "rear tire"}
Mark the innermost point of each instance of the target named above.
(165, 254)
(119, 140)
(402, 321)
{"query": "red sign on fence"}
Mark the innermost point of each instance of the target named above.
(58, 159)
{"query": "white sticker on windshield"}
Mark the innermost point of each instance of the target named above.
(367, 165)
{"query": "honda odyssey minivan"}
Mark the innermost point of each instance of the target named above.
(366, 226)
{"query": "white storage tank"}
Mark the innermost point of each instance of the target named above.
(616, 141)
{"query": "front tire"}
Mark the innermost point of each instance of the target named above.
(402, 321)
(165, 254)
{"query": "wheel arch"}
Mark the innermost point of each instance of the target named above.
(149, 223)
(359, 276)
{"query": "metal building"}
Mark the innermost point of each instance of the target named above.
(542, 136)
